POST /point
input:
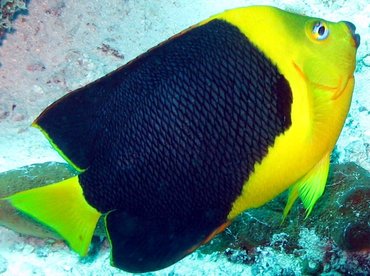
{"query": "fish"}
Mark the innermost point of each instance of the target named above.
(173, 146)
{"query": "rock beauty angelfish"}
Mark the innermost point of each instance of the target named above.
(221, 118)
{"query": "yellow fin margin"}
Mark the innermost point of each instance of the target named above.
(310, 187)
(62, 207)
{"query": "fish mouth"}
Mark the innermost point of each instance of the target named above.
(356, 37)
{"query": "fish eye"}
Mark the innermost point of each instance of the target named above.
(320, 31)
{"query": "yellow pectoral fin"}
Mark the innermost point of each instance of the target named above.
(293, 195)
(310, 187)
(62, 207)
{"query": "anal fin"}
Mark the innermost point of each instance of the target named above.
(141, 245)
(62, 207)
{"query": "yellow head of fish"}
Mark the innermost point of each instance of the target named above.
(318, 59)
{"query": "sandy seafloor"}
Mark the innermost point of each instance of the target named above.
(61, 45)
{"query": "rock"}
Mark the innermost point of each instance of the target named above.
(24, 178)
(28, 177)
(342, 214)
(356, 237)
(310, 267)
(346, 263)
(8, 9)
(340, 220)
(32, 176)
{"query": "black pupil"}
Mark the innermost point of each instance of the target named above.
(321, 30)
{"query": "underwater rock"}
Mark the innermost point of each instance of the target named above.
(32, 176)
(342, 214)
(310, 267)
(340, 222)
(24, 178)
(345, 262)
(343, 211)
(356, 237)
(8, 8)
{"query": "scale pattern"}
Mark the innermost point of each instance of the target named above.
(184, 125)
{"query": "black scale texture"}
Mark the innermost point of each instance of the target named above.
(185, 125)
(176, 132)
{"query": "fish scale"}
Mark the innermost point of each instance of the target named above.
(215, 119)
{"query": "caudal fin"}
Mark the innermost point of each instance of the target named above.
(63, 208)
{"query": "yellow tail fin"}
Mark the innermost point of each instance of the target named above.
(62, 207)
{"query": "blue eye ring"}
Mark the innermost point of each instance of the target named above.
(320, 31)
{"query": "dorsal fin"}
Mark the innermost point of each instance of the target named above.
(71, 123)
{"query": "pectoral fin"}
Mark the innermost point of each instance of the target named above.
(310, 187)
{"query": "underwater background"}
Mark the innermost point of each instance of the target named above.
(56, 46)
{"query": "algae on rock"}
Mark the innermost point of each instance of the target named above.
(7, 10)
